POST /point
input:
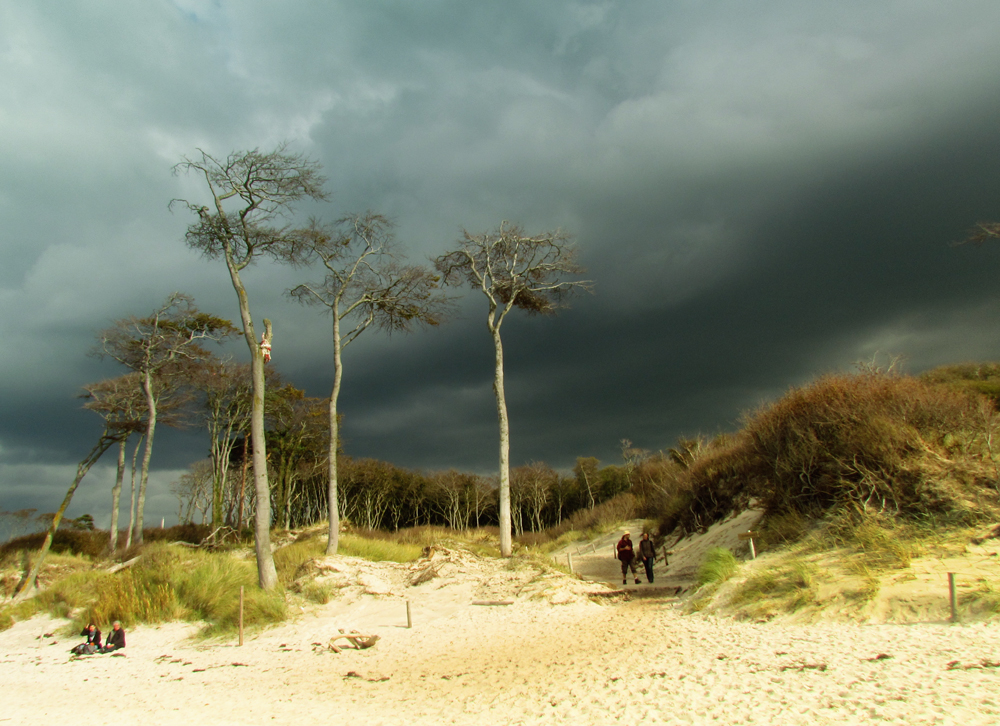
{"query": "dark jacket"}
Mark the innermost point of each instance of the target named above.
(92, 638)
(646, 549)
(625, 551)
(116, 639)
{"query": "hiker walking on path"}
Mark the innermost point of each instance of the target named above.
(648, 555)
(626, 554)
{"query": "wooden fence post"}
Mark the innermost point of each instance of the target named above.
(953, 597)
(241, 615)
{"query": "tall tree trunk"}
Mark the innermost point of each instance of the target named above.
(31, 578)
(333, 537)
(505, 535)
(147, 454)
(267, 575)
(116, 493)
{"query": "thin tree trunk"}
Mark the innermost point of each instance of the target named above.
(147, 454)
(131, 506)
(116, 493)
(243, 485)
(31, 578)
(333, 538)
(505, 534)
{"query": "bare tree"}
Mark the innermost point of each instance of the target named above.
(228, 391)
(251, 192)
(365, 284)
(194, 491)
(159, 347)
(296, 439)
(121, 403)
(586, 472)
(513, 270)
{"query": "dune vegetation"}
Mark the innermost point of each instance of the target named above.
(856, 475)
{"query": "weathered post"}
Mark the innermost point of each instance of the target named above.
(953, 597)
(409, 619)
(749, 535)
(569, 557)
(241, 615)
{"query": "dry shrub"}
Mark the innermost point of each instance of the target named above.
(602, 518)
(866, 442)
(92, 543)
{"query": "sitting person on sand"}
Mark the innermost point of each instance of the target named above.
(116, 638)
(626, 554)
(93, 643)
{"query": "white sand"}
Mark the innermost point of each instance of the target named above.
(528, 663)
(553, 656)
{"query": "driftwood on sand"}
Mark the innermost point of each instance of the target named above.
(355, 638)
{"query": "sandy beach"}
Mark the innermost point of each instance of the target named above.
(530, 662)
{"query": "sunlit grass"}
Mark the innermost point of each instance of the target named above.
(720, 564)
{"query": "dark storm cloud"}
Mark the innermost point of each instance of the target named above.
(761, 193)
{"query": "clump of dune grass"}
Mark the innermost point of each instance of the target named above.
(720, 564)
(786, 588)
(984, 599)
(378, 550)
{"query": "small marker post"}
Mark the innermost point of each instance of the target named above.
(241, 615)
(749, 535)
(953, 597)
(409, 619)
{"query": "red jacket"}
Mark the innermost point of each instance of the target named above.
(625, 551)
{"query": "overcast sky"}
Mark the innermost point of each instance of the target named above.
(761, 192)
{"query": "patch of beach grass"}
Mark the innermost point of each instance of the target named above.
(720, 564)
(378, 550)
(786, 588)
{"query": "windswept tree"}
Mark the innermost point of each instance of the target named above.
(160, 347)
(252, 192)
(121, 402)
(113, 432)
(366, 283)
(512, 270)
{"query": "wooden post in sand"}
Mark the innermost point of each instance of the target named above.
(953, 597)
(241, 615)
(409, 619)
(569, 558)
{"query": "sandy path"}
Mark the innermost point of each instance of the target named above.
(522, 664)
